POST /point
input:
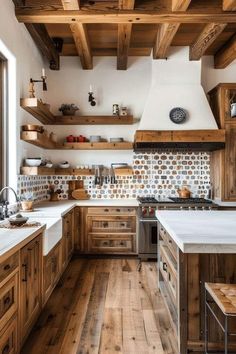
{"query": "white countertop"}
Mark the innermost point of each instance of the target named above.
(201, 231)
(49, 215)
(60, 208)
(10, 238)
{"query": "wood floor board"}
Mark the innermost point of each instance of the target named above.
(104, 306)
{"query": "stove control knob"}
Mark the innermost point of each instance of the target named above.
(196, 208)
(189, 208)
(203, 208)
(144, 211)
(181, 208)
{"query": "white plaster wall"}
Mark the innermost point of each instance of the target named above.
(18, 42)
(211, 76)
(71, 85)
(176, 82)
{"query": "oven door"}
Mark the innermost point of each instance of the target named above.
(147, 237)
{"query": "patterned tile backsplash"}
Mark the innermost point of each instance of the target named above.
(158, 174)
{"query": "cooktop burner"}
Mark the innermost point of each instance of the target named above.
(147, 200)
(190, 200)
(153, 200)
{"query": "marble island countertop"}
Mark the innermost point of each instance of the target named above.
(201, 231)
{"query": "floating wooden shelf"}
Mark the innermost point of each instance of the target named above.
(125, 145)
(39, 140)
(34, 171)
(44, 142)
(94, 120)
(40, 111)
(45, 171)
(123, 171)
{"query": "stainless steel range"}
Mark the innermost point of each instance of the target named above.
(148, 226)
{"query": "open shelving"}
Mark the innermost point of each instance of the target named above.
(46, 171)
(40, 111)
(43, 141)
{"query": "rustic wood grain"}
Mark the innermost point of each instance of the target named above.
(104, 306)
(209, 34)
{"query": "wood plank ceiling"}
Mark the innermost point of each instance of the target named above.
(126, 28)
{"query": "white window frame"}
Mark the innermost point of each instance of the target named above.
(9, 120)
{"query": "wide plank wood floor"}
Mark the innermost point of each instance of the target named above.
(104, 306)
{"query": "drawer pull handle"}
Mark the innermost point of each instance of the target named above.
(7, 300)
(7, 266)
(118, 210)
(6, 349)
(170, 241)
(25, 271)
(164, 266)
(106, 210)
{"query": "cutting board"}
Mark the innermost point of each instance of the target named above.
(80, 194)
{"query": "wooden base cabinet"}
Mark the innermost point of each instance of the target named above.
(51, 270)
(67, 238)
(181, 281)
(9, 338)
(30, 285)
(107, 230)
(9, 304)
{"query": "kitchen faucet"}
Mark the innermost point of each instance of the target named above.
(5, 203)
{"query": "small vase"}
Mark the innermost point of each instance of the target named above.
(27, 205)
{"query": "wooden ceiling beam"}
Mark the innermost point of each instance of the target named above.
(80, 35)
(123, 16)
(42, 41)
(167, 31)
(226, 55)
(208, 35)
(124, 36)
(229, 5)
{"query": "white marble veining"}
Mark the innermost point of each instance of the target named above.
(201, 231)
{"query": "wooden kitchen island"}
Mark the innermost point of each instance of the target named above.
(195, 247)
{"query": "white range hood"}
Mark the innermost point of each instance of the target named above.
(176, 82)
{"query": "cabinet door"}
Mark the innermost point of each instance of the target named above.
(51, 270)
(230, 163)
(9, 338)
(68, 236)
(8, 299)
(30, 284)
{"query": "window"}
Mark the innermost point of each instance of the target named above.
(8, 119)
(3, 128)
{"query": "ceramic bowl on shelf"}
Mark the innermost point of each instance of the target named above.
(116, 140)
(95, 138)
(49, 165)
(33, 162)
(64, 164)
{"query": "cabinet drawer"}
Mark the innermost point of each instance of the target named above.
(8, 266)
(112, 224)
(168, 270)
(111, 244)
(8, 300)
(169, 242)
(8, 338)
(111, 211)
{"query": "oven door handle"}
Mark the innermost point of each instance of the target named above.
(148, 220)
